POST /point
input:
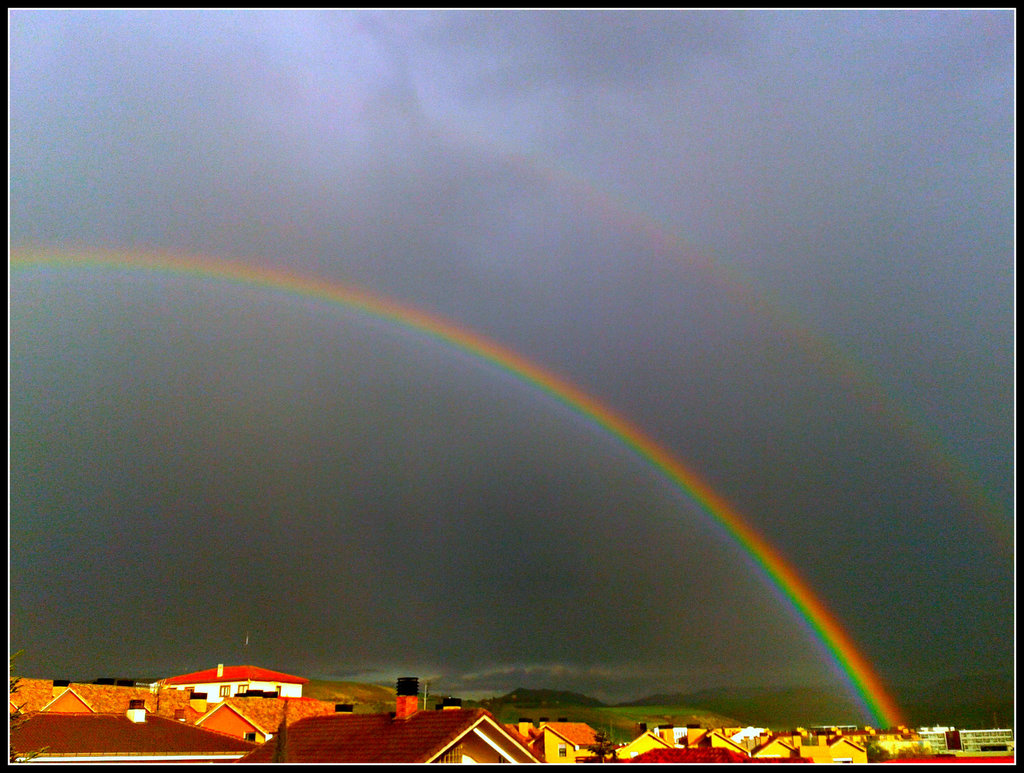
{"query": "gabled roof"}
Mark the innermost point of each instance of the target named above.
(700, 754)
(69, 702)
(116, 734)
(782, 741)
(648, 735)
(34, 694)
(266, 714)
(224, 706)
(234, 674)
(577, 733)
(845, 739)
(705, 754)
(377, 738)
(718, 737)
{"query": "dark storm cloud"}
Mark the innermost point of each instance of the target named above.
(585, 188)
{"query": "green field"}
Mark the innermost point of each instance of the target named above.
(366, 698)
(620, 722)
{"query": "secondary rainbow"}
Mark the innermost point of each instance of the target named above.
(840, 648)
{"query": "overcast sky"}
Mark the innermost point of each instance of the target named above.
(780, 243)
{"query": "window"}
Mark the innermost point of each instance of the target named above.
(225, 691)
(250, 737)
(562, 750)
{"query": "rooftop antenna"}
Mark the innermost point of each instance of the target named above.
(245, 649)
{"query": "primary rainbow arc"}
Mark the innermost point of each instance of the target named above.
(839, 646)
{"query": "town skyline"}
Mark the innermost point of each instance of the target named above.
(634, 352)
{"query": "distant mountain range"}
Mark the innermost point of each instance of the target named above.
(773, 707)
(528, 698)
(968, 701)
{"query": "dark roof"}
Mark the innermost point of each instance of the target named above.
(371, 737)
(234, 674)
(116, 734)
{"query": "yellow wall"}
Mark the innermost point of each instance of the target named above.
(641, 744)
(551, 743)
(840, 749)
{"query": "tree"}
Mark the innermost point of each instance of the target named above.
(877, 753)
(603, 747)
(18, 717)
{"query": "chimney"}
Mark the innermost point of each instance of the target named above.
(197, 700)
(343, 708)
(220, 670)
(665, 732)
(137, 711)
(525, 725)
(641, 728)
(59, 686)
(452, 703)
(407, 692)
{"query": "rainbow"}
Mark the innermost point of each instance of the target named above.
(832, 638)
(854, 373)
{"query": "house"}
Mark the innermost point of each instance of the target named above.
(832, 748)
(949, 740)
(722, 739)
(64, 696)
(644, 742)
(135, 735)
(703, 755)
(225, 681)
(449, 734)
(257, 719)
(776, 747)
(559, 742)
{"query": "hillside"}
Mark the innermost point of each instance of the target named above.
(366, 698)
(527, 698)
(620, 722)
(969, 700)
(778, 708)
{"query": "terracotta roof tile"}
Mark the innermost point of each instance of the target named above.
(35, 694)
(116, 734)
(235, 674)
(703, 755)
(267, 713)
(577, 733)
(371, 738)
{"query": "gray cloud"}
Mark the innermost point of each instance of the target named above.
(774, 241)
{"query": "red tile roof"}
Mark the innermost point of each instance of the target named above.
(267, 713)
(704, 755)
(234, 674)
(34, 694)
(372, 738)
(576, 733)
(116, 734)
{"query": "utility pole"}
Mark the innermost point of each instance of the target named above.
(426, 690)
